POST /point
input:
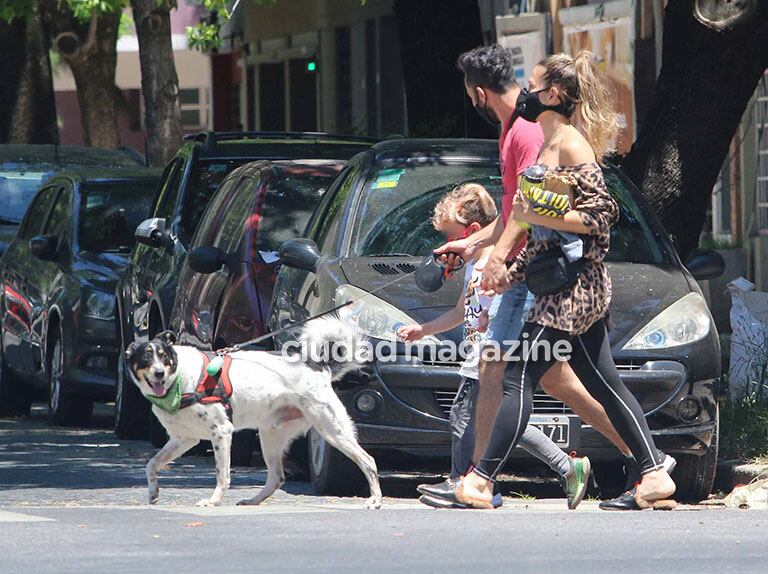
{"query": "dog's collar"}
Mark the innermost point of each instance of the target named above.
(171, 402)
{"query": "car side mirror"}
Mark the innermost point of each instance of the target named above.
(705, 264)
(206, 259)
(44, 247)
(300, 254)
(152, 232)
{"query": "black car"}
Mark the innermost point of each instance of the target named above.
(24, 168)
(57, 332)
(373, 226)
(147, 289)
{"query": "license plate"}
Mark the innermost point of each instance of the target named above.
(557, 428)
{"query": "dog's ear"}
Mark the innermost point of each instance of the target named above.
(130, 350)
(167, 337)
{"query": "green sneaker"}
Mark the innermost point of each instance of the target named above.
(575, 482)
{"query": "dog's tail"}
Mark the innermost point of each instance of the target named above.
(333, 343)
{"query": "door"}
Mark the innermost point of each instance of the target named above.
(303, 82)
(46, 283)
(148, 261)
(20, 264)
(192, 316)
(272, 97)
(231, 298)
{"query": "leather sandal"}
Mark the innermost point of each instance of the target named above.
(471, 501)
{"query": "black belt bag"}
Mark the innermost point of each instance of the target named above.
(550, 272)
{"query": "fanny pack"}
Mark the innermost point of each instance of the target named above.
(550, 272)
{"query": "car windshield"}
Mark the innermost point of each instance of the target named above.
(288, 205)
(398, 200)
(17, 189)
(110, 213)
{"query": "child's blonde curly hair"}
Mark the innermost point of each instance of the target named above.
(467, 203)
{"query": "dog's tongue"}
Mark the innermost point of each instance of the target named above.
(158, 389)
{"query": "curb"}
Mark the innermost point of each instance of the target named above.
(731, 473)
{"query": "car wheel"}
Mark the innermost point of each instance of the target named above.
(610, 478)
(132, 410)
(15, 399)
(330, 471)
(695, 475)
(243, 445)
(157, 433)
(64, 408)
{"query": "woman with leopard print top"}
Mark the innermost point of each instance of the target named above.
(559, 87)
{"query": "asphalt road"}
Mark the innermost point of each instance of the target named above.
(73, 500)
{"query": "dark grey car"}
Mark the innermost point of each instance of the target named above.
(373, 227)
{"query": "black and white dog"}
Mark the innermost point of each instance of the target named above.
(281, 398)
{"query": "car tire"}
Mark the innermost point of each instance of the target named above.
(243, 447)
(64, 407)
(330, 471)
(610, 478)
(158, 436)
(695, 475)
(132, 410)
(15, 399)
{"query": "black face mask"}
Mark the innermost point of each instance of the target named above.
(487, 114)
(529, 106)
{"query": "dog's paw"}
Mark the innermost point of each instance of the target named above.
(205, 502)
(249, 502)
(154, 496)
(373, 503)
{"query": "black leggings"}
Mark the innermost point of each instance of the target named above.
(592, 362)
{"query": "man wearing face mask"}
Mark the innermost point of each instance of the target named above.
(490, 84)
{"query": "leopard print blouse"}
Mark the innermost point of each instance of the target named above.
(576, 309)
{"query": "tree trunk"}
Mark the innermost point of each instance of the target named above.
(714, 55)
(27, 103)
(159, 82)
(90, 51)
(433, 33)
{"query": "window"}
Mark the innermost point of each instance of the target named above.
(204, 180)
(762, 155)
(37, 213)
(289, 203)
(170, 193)
(237, 212)
(194, 108)
(58, 221)
(110, 213)
(325, 225)
(214, 213)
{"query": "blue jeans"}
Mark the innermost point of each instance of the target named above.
(507, 314)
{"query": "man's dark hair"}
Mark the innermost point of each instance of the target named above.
(488, 67)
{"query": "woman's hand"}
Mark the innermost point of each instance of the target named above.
(521, 209)
(410, 332)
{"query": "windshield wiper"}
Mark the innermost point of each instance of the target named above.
(390, 255)
(8, 221)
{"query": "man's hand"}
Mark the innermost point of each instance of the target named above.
(494, 278)
(482, 321)
(453, 250)
(410, 332)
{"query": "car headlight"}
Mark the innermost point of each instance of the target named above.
(372, 316)
(99, 305)
(685, 321)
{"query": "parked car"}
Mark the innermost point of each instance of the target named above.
(373, 226)
(57, 332)
(147, 289)
(24, 168)
(225, 284)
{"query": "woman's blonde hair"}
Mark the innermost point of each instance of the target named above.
(583, 86)
(467, 203)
